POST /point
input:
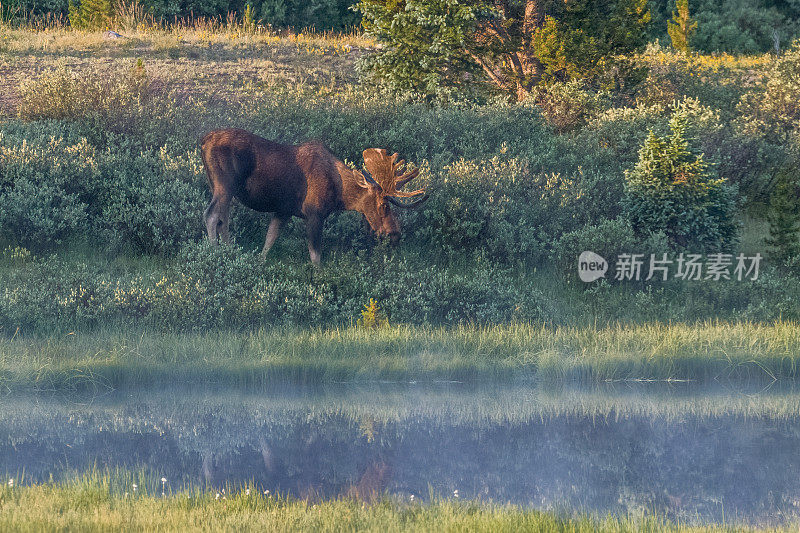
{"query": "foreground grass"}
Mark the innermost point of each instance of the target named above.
(697, 352)
(93, 506)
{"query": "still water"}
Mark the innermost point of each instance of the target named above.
(688, 453)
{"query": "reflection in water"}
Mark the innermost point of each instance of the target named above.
(691, 455)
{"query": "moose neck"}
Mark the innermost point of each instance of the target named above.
(353, 194)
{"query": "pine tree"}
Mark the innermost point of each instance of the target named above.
(681, 27)
(671, 190)
(784, 218)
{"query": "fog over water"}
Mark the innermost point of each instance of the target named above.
(697, 454)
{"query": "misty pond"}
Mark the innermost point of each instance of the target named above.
(695, 454)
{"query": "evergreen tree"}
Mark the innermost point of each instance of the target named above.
(671, 190)
(681, 27)
(784, 217)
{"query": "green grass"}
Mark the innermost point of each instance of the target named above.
(698, 352)
(94, 504)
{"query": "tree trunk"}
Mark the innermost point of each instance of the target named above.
(532, 68)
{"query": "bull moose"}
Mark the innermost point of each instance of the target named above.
(305, 181)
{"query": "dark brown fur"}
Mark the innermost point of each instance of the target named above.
(305, 181)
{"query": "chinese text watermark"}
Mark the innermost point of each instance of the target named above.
(662, 267)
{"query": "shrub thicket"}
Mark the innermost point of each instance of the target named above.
(228, 287)
(113, 160)
(772, 109)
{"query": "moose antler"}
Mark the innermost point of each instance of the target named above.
(386, 170)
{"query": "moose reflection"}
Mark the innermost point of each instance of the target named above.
(305, 181)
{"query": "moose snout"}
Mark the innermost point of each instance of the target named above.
(394, 237)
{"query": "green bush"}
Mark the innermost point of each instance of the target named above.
(569, 106)
(65, 94)
(60, 189)
(226, 287)
(670, 190)
(502, 208)
(152, 203)
(609, 239)
(46, 201)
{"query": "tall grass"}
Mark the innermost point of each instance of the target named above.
(696, 352)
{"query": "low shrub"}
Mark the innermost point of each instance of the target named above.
(46, 201)
(66, 94)
(153, 202)
(227, 287)
(504, 209)
(59, 189)
(569, 106)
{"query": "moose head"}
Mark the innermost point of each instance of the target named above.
(382, 179)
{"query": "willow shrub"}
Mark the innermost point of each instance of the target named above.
(772, 108)
(59, 188)
(226, 286)
(65, 188)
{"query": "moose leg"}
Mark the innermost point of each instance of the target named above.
(314, 231)
(224, 221)
(217, 218)
(272, 234)
(211, 219)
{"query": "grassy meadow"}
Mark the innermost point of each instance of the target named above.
(104, 191)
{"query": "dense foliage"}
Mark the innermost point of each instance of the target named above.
(436, 48)
(739, 26)
(723, 25)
